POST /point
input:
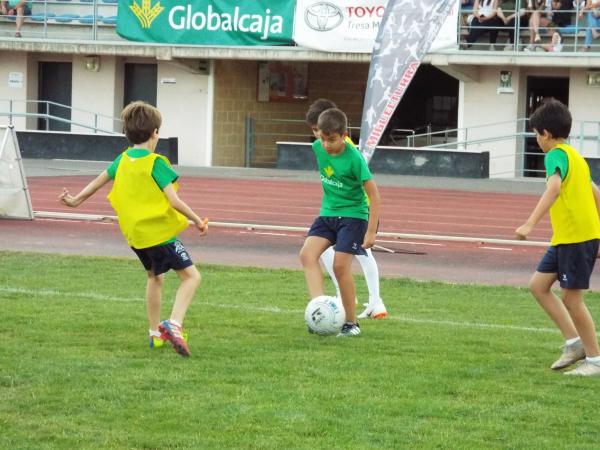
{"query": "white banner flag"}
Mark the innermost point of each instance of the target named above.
(351, 26)
(407, 32)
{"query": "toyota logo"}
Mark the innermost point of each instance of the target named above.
(323, 16)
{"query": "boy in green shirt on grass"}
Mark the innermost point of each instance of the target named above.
(345, 220)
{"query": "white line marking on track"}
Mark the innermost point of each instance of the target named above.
(411, 243)
(272, 310)
(498, 248)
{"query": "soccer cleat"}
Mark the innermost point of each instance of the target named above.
(170, 331)
(349, 329)
(585, 369)
(158, 342)
(377, 311)
(570, 355)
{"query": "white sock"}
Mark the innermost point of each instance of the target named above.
(154, 333)
(371, 271)
(572, 341)
(593, 359)
(327, 260)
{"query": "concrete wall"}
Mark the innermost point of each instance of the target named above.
(481, 105)
(186, 104)
(17, 63)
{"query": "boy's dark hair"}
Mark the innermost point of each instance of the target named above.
(552, 116)
(315, 110)
(140, 119)
(333, 120)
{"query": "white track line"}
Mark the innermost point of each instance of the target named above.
(255, 226)
(271, 310)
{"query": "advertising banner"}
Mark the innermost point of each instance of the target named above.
(207, 22)
(406, 34)
(352, 25)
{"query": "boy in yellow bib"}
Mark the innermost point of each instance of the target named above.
(151, 215)
(573, 201)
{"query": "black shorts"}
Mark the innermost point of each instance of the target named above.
(347, 234)
(161, 258)
(573, 263)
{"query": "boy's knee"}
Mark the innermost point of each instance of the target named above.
(306, 257)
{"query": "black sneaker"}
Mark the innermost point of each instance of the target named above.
(349, 329)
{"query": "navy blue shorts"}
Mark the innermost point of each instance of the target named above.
(161, 258)
(345, 233)
(573, 263)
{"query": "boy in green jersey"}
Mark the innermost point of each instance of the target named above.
(573, 201)
(345, 220)
(151, 214)
(374, 308)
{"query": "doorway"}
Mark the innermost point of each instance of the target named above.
(54, 92)
(539, 89)
(140, 83)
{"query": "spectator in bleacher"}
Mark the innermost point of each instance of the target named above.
(553, 16)
(484, 20)
(593, 22)
(18, 9)
(507, 11)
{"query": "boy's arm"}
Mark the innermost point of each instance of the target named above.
(596, 193)
(546, 201)
(374, 206)
(67, 199)
(184, 209)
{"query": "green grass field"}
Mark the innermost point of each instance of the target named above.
(453, 366)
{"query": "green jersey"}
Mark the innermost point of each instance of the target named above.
(342, 177)
(556, 159)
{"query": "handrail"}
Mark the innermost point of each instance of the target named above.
(11, 113)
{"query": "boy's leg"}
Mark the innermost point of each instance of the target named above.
(375, 307)
(312, 249)
(190, 281)
(540, 286)
(342, 267)
(327, 260)
(579, 313)
(153, 298)
(172, 328)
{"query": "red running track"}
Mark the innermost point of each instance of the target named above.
(296, 203)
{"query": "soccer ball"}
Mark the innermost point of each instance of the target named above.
(325, 315)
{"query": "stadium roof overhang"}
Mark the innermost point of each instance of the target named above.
(461, 64)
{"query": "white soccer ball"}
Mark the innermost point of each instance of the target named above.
(325, 315)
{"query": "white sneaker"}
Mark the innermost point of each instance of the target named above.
(570, 355)
(529, 48)
(376, 311)
(585, 369)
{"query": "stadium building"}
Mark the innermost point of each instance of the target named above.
(228, 103)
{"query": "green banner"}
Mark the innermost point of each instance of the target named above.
(207, 22)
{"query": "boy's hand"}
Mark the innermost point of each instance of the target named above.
(67, 199)
(203, 226)
(523, 231)
(369, 240)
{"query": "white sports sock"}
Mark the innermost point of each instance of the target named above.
(154, 333)
(593, 359)
(572, 341)
(327, 260)
(371, 271)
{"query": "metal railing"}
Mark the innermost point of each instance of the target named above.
(50, 112)
(86, 17)
(572, 35)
